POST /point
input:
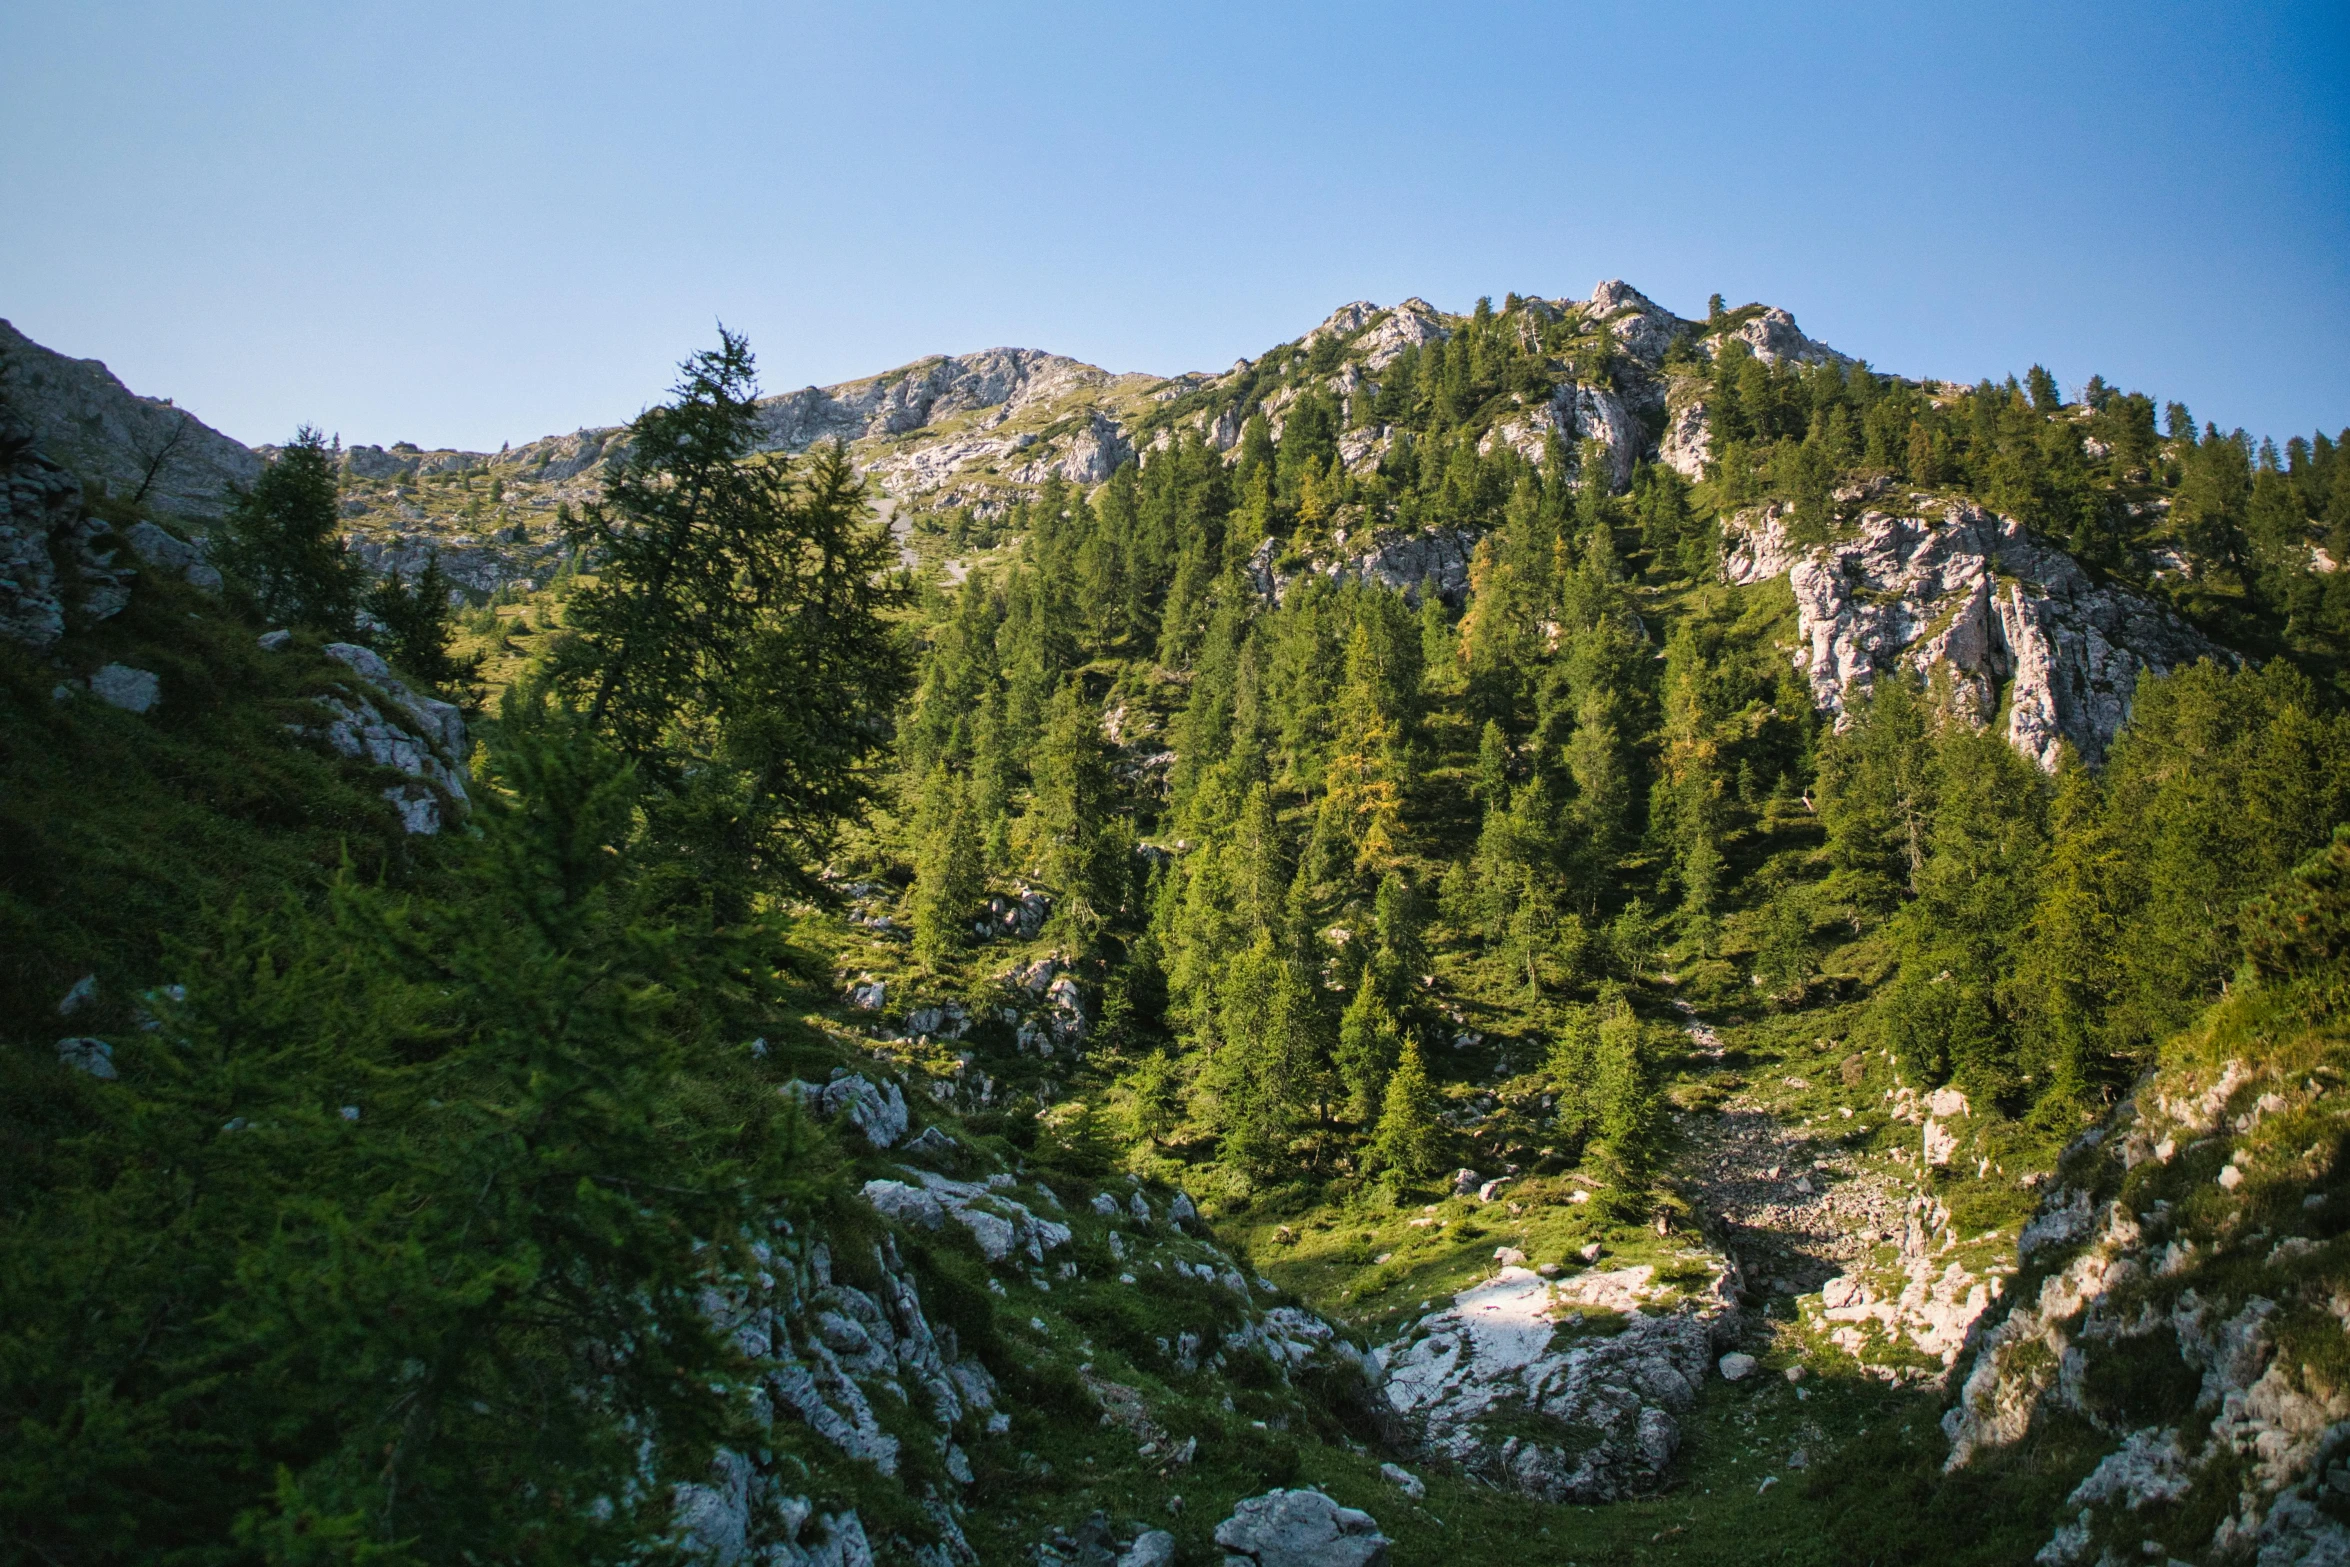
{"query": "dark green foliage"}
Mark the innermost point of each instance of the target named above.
(282, 545)
(419, 621)
(399, 1216)
(733, 642)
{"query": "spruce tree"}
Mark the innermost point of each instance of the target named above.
(1369, 1043)
(1409, 1143)
(949, 868)
(282, 548)
(734, 642)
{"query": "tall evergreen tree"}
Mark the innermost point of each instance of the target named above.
(734, 641)
(282, 546)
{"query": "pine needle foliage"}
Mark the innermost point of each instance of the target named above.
(734, 642)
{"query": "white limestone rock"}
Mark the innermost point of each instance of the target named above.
(1433, 560)
(1301, 1528)
(1947, 585)
(1612, 1400)
(1412, 324)
(1774, 336)
(132, 690)
(876, 1110)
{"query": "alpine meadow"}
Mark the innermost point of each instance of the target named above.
(1559, 931)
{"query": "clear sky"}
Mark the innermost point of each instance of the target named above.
(467, 224)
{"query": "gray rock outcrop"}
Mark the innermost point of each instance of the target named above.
(169, 552)
(923, 393)
(1773, 335)
(878, 1110)
(825, 1353)
(1590, 1418)
(1433, 560)
(1946, 585)
(421, 736)
(1300, 1529)
(52, 568)
(144, 450)
(2248, 1426)
(1001, 1224)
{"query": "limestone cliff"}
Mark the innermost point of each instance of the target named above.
(1928, 584)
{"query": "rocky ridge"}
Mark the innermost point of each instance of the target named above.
(144, 450)
(2181, 1295)
(57, 563)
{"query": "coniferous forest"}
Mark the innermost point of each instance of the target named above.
(984, 1024)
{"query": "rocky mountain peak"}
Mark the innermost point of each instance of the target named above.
(143, 449)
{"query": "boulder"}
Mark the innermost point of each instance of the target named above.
(932, 1143)
(1151, 1548)
(132, 690)
(1404, 1480)
(879, 1111)
(1301, 1529)
(1491, 1387)
(1737, 1366)
(94, 1056)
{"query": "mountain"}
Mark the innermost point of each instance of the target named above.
(1554, 928)
(145, 451)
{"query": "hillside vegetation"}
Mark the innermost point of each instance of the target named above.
(1010, 936)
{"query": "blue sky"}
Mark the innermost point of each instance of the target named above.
(476, 223)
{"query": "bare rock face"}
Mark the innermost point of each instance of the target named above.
(421, 736)
(1643, 328)
(1688, 442)
(1576, 413)
(1774, 336)
(824, 1353)
(923, 393)
(1412, 324)
(1594, 1418)
(1090, 457)
(1433, 560)
(1300, 1529)
(142, 448)
(52, 567)
(2239, 1423)
(1947, 585)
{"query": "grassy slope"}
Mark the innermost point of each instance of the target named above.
(120, 833)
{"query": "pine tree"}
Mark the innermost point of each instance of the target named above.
(282, 546)
(949, 868)
(1409, 1143)
(734, 643)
